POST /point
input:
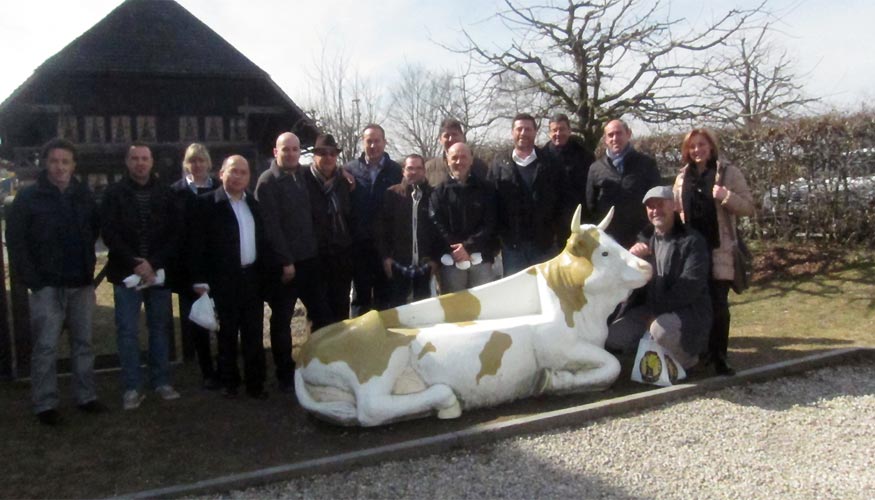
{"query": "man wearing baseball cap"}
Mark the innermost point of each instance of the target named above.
(674, 306)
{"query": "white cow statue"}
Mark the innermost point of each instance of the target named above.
(541, 330)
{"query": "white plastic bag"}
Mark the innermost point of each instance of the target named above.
(203, 313)
(654, 365)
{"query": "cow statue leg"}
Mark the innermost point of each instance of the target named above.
(590, 368)
(376, 404)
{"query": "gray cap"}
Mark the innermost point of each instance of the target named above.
(663, 192)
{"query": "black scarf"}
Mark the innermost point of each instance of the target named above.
(329, 186)
(698, 199)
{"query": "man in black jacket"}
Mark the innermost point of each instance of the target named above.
(293, 260)
(405, 236)
(674, 307)
(620, 179)
(50, 233)
(573, 156)
(531, 191)
(140, 230)
(374, 173)
(226, 256)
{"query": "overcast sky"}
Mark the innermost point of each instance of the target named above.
(830, 41)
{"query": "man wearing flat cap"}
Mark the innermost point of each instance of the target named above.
(330, 207)
(674, 307)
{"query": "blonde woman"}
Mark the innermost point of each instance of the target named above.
(711, 194)
(196, 180)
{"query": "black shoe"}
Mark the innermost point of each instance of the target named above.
(94, 407)
(229, 392)
(50, 417)
(721, 367)
(211, 384)
(257, 394)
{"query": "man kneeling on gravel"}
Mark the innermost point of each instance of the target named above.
(674, 306)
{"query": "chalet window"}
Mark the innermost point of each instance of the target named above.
(95, 129)
(188, 129)
(146, 129)
(214, 129)
(237, 126)
(120, 129)
(68, 128)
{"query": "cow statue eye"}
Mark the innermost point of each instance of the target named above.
(605, 253)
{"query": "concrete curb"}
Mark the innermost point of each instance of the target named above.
(485, 433)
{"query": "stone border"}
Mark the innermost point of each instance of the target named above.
(484, 433)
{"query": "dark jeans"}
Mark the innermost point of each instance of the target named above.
(718, 342)
(370, 285)
(195, 339)
(523, 255)
(400, 288)
(336, 273)
(241, 310)
(309, 287)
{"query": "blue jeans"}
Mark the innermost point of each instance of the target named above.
(49, 308)
(127, 323)
(522, 256)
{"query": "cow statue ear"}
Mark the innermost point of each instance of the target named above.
(603, 225)
(575, 221)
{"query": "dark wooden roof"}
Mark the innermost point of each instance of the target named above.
(155, 36)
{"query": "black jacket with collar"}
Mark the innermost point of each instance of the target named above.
(288, 222)
(367, 196)
(121, 221)
(464, 213)
(185, 198)
(394, 225)
(537, 215)
(606, 188)
(575, 159)
(214, 256)
(35, 227)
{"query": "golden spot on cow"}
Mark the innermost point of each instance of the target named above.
(427, 348)
(532, 271)
(460, 306)
(492, 353)
(463, 324)
(390, 318)
(364, 343)
(566, 274)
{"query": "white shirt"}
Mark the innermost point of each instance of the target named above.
(524, 162)
(246, 226)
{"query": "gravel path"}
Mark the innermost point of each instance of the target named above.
(809, 436)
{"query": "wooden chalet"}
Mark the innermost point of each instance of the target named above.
(152, 72)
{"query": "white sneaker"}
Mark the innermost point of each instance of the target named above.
(166, 392)
(132, 399)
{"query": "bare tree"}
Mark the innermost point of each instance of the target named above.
(416, 109)
(600, 59)
(755, 83)
(341, 101)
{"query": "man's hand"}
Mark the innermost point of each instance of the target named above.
(144, 270)
(640, 250)
(459, 252)
(387, 266)
(349, 178)
(288, 273)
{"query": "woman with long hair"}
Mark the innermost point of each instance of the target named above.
(711, 194)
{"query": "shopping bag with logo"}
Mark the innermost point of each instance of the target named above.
(654, 365)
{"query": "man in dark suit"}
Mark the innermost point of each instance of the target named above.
(226, 256)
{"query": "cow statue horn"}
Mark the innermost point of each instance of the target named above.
(575, 221)
(603, 225)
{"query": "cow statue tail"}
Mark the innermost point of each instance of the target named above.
(340, 411)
